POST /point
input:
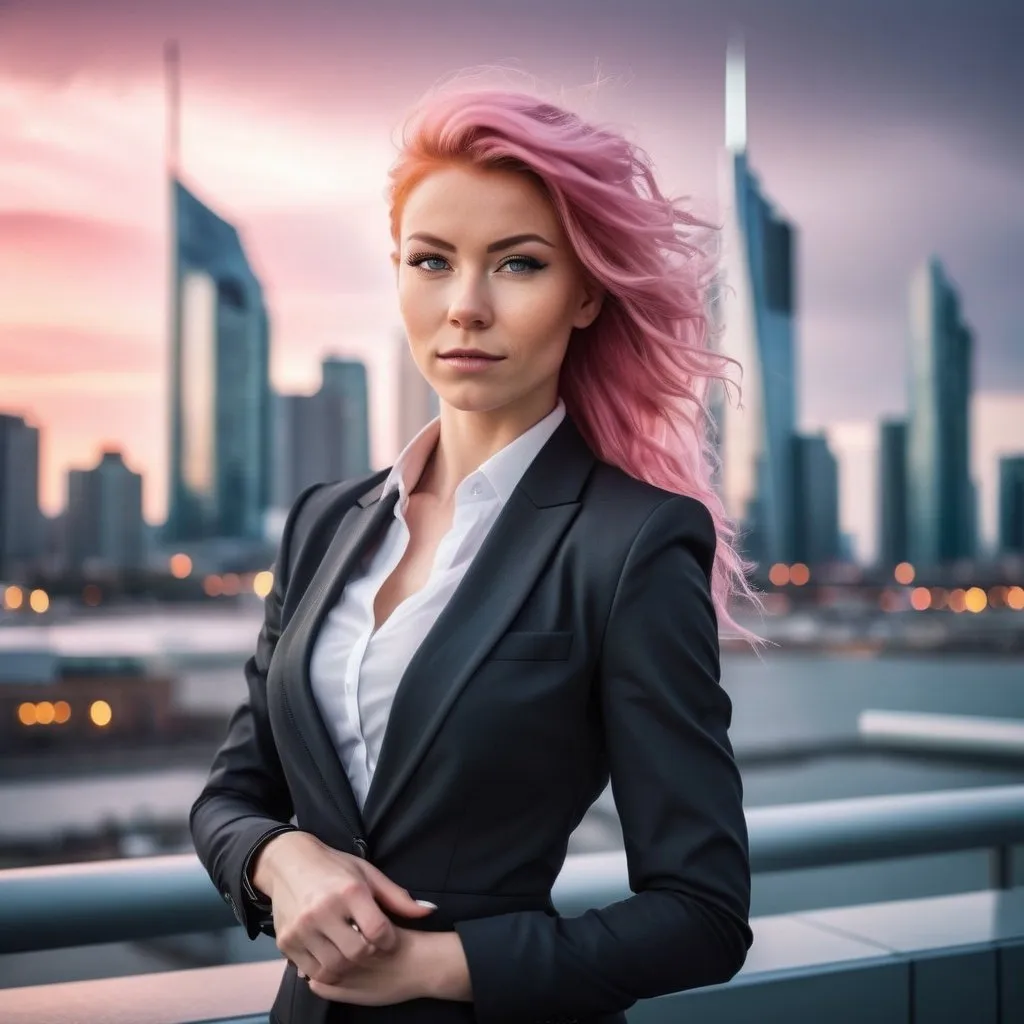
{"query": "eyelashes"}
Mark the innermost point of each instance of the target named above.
(418, 259)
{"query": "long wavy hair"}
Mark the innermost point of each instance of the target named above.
(636, 381)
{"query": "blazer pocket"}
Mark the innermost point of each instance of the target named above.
(532, 646)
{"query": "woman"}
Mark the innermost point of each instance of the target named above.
(461, 651)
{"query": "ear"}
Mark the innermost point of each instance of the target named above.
(590, 302)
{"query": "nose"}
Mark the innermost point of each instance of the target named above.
(470, 308)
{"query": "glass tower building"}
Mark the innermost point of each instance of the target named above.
(892, 493)
(220, 380)
(1011, 505)
(345, 382)
(755, 292)
(940, 494)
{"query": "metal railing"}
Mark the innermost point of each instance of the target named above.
(921, 732)
(121, 900)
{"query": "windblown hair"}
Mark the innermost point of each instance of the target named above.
(636, 381)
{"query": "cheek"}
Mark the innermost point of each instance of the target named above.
(417, 304)
(539, 312)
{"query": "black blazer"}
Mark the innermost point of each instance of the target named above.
(581, 644)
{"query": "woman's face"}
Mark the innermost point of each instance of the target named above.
(484, 265)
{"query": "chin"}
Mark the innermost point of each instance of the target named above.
(474, 398)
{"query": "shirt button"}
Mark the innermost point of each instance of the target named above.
(477, 490)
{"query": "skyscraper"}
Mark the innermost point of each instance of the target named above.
(300, 449)
(940, 494)
(997, 432)
(756, 291)
(892, 493)
(345, 382)
(816, 538)
(20, 518)
(416, 401)
(104, 518)
(323, 436)
(219, 372)
(1011, 505)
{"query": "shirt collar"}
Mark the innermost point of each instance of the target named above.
(497, 477)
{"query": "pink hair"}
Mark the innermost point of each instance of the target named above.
(635, 382)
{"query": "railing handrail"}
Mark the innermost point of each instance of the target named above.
(118, 900)
(942, 733)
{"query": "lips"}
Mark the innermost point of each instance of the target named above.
(469, 353)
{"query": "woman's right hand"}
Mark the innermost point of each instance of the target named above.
(317, 893)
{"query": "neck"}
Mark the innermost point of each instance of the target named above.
(468, 439)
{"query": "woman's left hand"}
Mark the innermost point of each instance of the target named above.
(422, 965)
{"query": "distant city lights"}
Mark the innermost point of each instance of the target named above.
(44, 713)
(39, 601)
(100, 713)
(961, 599)
(904, 574)
(263, 583)
(181, 566)
(799, 574)
(780, 574)
(13, 598)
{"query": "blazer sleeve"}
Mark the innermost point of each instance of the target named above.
(679, 798)
(245, 799)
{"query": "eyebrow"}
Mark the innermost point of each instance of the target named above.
(502, 243)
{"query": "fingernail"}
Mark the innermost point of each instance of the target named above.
(427, 903)
(302, 976)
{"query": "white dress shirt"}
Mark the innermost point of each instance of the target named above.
(355, 671)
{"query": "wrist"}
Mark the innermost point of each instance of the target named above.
(263, 867)
(442, 966)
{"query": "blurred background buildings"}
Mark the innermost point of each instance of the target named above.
(889, 548)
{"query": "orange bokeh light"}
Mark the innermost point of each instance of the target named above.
(799, 574)
(100, 713)
(904, 574)
(263, 583)
(181, 566)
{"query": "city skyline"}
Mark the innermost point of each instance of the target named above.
(271, 139)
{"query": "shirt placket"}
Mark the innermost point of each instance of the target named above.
(353, 670)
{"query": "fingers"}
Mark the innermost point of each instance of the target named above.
(372, 924)
(393, 896)
(324, 942)
(337, 953)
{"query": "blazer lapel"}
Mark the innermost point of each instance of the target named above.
(362, 524)
(498, 581)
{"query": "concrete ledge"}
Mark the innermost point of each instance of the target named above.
(947, 958)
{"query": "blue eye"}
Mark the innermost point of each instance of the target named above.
(526, 263)
(420, 259)
(434, 264)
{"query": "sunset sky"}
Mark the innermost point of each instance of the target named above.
(886, 131)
